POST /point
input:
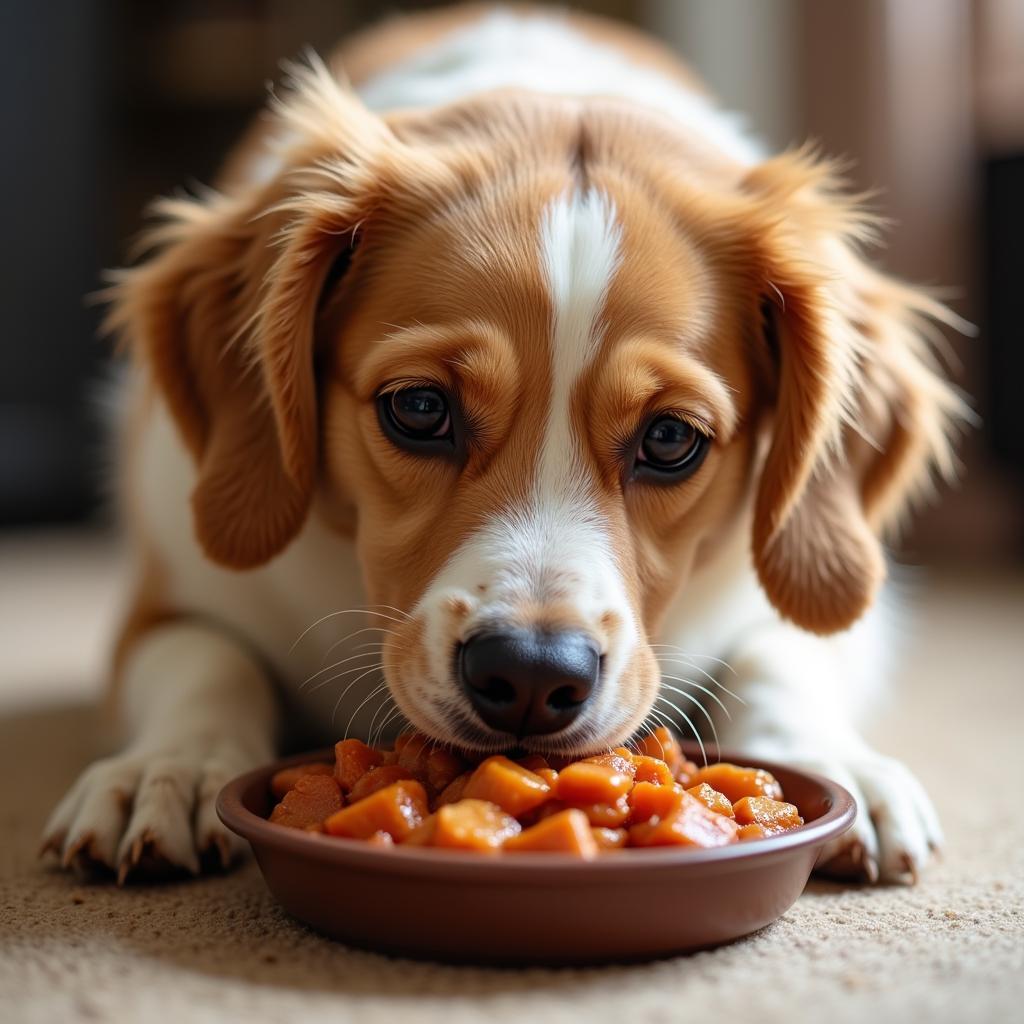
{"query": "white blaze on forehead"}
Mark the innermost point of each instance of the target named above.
(580, 252)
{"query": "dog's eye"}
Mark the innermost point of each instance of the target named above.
(670, 449)
(418, 419)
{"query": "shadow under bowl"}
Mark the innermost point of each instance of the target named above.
(535, 908)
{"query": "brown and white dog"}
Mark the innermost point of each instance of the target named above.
(512, 391)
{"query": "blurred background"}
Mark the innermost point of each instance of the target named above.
(106, 104)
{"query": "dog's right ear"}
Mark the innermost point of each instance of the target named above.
(222, 315)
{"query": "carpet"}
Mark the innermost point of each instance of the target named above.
(217, 948)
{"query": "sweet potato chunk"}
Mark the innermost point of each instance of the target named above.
(609, 838)
(591, 782)
(567, 831)
(352, 760)
(397, 809)
(312, 799)
(442, 768)
(621, 763)
(533, 762)
(712, 799)
(607, 815)
(376, 779)
(753, 831)
(771, 815)
(689, 823)
(454, 791)
(662, 745)
(286, 778)
(503, 782)
(736, 782)
(651, 769)
(646, 801)
(467, 825)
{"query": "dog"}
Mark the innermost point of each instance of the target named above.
(505, 389)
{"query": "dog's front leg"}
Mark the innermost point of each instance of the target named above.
(198, 709)
(796, 710)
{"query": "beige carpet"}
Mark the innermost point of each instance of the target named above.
(951, 949)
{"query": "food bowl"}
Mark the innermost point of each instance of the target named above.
(535, 908)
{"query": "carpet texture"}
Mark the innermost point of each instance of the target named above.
(951, 949)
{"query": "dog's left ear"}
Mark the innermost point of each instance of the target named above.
(861, 416)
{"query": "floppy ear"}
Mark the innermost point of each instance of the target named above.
(861, 414)
(223, 314)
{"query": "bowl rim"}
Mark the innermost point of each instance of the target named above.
(557, 867)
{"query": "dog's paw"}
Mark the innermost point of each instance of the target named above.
(896, 831)
(149, 815)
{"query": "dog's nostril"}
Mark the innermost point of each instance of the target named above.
(565, 697)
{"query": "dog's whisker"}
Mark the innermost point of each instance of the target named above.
(703, 710)
(703, 657)
(347, 672)
(696, 686)
(353, 635)
(336, 664)
(351, 683)
(390, 717)
(667, 660)
(686, 718)
(388, 703)
(342, 611)
(359, 707)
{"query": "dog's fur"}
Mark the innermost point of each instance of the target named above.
(549, 218)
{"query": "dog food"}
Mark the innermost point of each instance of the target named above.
(418, 794)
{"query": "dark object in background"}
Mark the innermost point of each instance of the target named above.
(1003, 262)
(51, 98)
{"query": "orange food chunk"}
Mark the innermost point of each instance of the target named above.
(609, 838)
(453, 791)
(712, 799)
(588, 782)
(646, 801)
(568, 832)
(402, 738)
(771, 815)
(665, 747)
(442, 768)
(753, 831)
(622, 763)
(352, 760)
(397, 809)
(737, 782)
(607, 815)
(689, 823)
(533, 762)
(467, 825)
(312, 799)
(376, 779)
(549, 775)
(381, 839)
(286, 778)
(651, 769)
(503, 782)
(414, 752)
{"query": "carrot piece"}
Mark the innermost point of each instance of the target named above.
(588, 782)
(312, 799)
(651, 769)
(772, 815)
(689, 823)
(712, 799)
(397, 809)
(736, 782)
(609, 838)
(286, 778)
(607, 815)
(352, 760)
(466, 825)
(567, 831)
(376, 779)
(503, 782)
(753, 831)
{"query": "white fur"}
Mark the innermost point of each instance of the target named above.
(543, 53)
(198, 694)
(555, 545)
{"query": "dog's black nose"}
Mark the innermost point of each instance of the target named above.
(527, 682)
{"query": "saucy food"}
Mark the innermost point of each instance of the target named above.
(419, 794)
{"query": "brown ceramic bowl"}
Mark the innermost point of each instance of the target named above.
(537, 908)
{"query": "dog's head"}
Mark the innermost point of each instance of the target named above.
(538, 357)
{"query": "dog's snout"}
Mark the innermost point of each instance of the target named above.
(528, 682)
